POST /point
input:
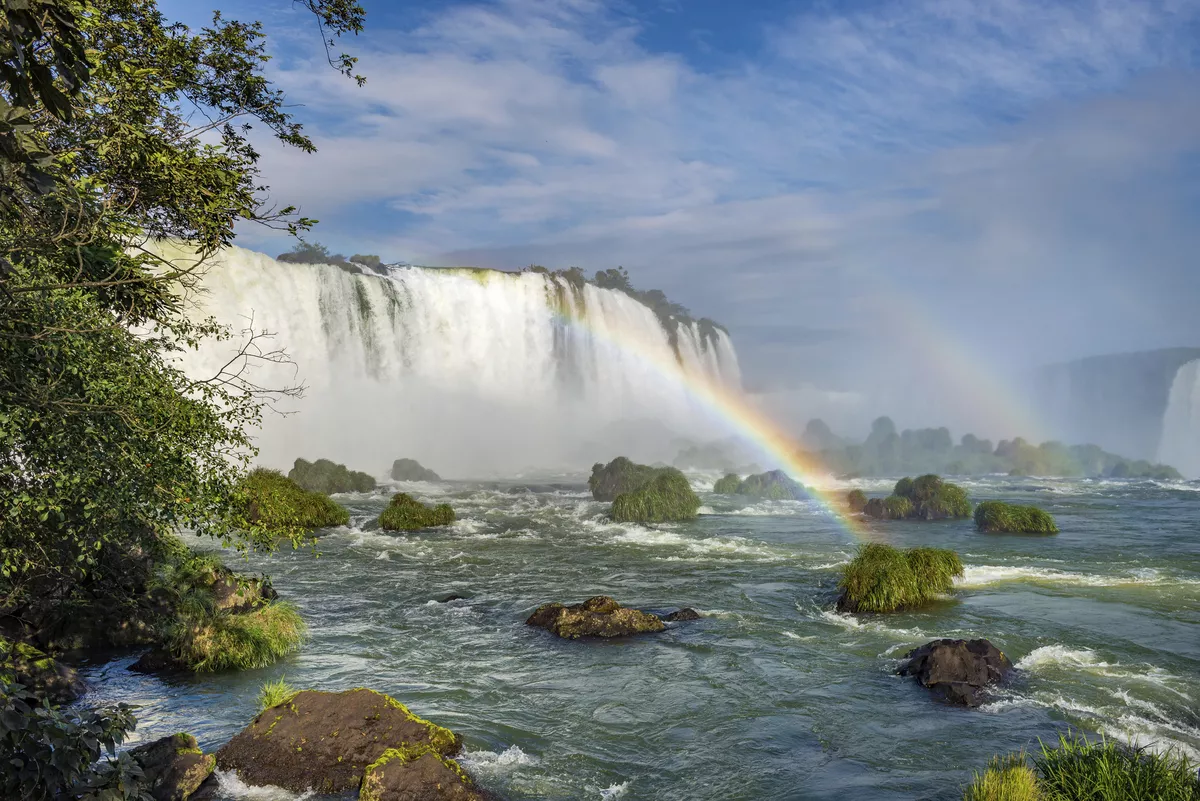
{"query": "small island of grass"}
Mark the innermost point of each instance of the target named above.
(727, 485)
(619, 476)
(667, 497)
(326, 477)
(881, 578)
(273, 501)
(926, 497)
(1011, 518)
(406, 513)
(774, 485)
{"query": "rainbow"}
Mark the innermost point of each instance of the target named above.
(735, 410)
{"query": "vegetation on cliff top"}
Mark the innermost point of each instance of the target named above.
(327, 477)
(406, 513)
(998, 516)
(668, 496)
(881, 578)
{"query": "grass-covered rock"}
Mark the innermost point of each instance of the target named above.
(667, 497)
(273, 501)
(856, 500)
(406, 513)
(881, 578)
(207, 641)
(1011, 518)
(412, 470)
(773, 485)
(926, 497)
(326, 741)
(620, 476)
(327, 477)
(600, 616)
(42, 675)
(417, 772)
(727, 485)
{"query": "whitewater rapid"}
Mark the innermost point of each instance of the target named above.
(1180, 444)
(470, 371)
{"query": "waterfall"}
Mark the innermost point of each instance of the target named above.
(472, 372)
(1180, 444)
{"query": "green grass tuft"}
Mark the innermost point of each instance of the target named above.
(618, 477)
(881, 578)
(327, 477)
(1006, 779)
(667, 497)
(406, 513)
(926, 497)
(274, 693)
(774, 485)
(727, 485)
(856, 500)
(207, 641)
(1108, 771)
(273, 501)
(998, 516)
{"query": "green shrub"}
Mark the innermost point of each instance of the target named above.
(1108, 771)
(926, 497)
(1006, 779)
(856, 500)
(903, 487)
(893, 507)
(205, 641)
(667, 497)
(618, 477)
(406, 513)
(727, 485)
(998, 516)
(274, 693)
(881, 578)
(774, 485)
(325, 477)
(273, 501)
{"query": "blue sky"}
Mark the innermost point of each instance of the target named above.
(1021, 175)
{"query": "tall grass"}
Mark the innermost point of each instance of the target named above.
(1079, 770)
(998, 516)
(667, 497)
(727, 485)
(406, 513)
(274, 693)
(205, 640)
(273, 501)
(1006, 779)
(881, 578)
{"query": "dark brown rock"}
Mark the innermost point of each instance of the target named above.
(418, 774)
(156, 660)
(174, 766)
(600, 616)
(959, 671)
(235, 593)
(687, 613)
(40, 674)
(326, 740)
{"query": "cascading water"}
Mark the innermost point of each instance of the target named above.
(1180, 444)
(473, 372)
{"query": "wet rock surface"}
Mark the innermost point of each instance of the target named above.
(958, 671)
(599, 616)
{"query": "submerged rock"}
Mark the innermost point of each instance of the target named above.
(417, 773)
(957, 670)
(174, 766)
(412, 470)
(600, 616)
(327, 740)
(42, 675)
(687, 613)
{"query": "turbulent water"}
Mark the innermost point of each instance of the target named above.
(772, 695)
(1180, 446)
(473, 372)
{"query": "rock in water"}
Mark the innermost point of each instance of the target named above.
(417, 774)
(326, 740)
(412, 470)
(957, 670)
(687, 613)
(600, 616)
(174, 766)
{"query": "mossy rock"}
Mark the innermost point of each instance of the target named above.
(210, 641)
(412, 470)
(326, 741)
(273, 501)
(668, 497)
(856, 500)
(417, 772)
(1011, 518)
(326, 477)
(406, 513)
(174, 767)
(893, 507)
(600, 616)
(727, 485)
(926, 497)
(618, 477)
(42, 675)
(881, 578)
(774, 485)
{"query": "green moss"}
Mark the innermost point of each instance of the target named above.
(856, 500)
(405, 513)
(774, 485)
(206, 641)
(619, 477)
(881, 578)
(998, 516)
(370, 789)
(271, 500)
(326, 477)
(727, 485)
(667, 497)
(441, 739)
(1006, 779)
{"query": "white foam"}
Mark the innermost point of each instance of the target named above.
(984, 575)
(232, 786)
(1059, 655)
(614, 791)
(492, 762)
